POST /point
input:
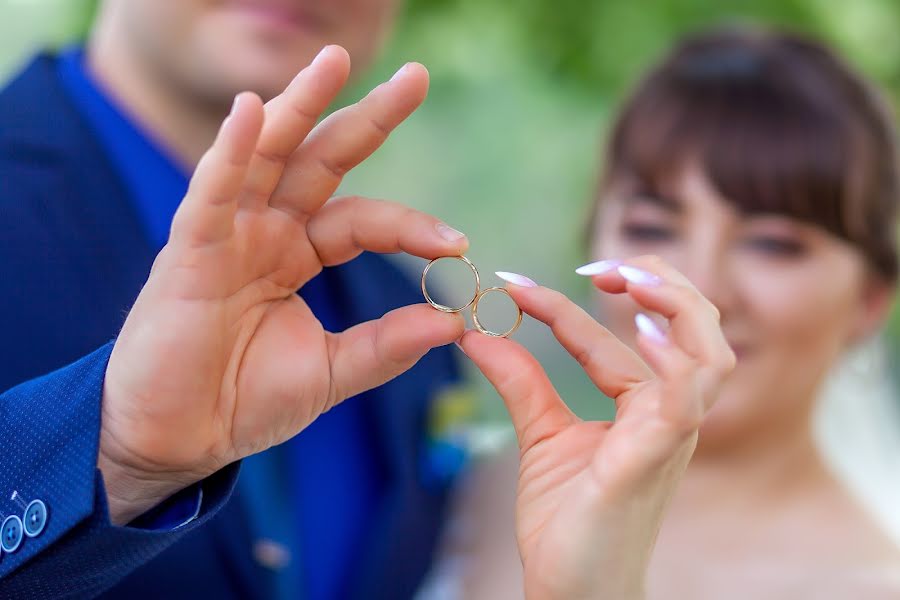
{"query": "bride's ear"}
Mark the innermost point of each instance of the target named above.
(874, 309)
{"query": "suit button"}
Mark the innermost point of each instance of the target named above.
(271, 554)
(11, 533)
(35, 518)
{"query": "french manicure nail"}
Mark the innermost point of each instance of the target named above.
(516, 279)
(448, 233)
(637, 276)
(599, 267)
(648, 328)
(400, 71)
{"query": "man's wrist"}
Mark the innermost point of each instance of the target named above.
(131, 492)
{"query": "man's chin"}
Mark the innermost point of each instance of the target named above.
(267, 80)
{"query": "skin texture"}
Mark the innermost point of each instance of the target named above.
(176, 65)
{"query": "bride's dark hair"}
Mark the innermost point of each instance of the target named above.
(778, 124)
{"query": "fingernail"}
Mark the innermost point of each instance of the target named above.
(234, 105)
(400, 71)
(319, 55)
(648, 328)
(448, 233)
(637, 276)
(599, 267)
(516, 279)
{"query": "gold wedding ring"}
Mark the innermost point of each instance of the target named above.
(476, 298)
(450, 309)
(478, 324)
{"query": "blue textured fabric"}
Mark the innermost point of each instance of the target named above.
(75, 253)
(336, 510)
(50, 429)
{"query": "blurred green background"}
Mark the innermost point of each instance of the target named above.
(506, 147)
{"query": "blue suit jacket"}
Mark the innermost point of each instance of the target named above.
(72, 259)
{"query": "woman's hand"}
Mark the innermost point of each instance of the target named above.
(591, 495)
(219, 357)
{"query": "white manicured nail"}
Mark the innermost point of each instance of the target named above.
(516, 279)
(639, 277)
(599, 267)
(648, 328)
(400, 71)
(448, 233)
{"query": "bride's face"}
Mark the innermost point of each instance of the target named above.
(791, 295)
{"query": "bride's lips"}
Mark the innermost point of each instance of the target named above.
(280, 15)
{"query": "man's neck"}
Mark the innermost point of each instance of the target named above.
(184, 124)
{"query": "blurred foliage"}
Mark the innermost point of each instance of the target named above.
(506, 147)
(602, 45)
(27, 24)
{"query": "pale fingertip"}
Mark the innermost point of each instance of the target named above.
(408, 68)
(649, 329)
(598, 268)
(416, 66)
(235, 107)
(400, 72)
(409, 71)
(516, 279)
(326, 51)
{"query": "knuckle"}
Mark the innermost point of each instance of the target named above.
(717, 314)
(683, 371)
(304, 113)
(727, 362)
(688, 297)
(517, 381)
(556, 300)
(689, 420)
(586, 356)
(332, 168)
(346, 203)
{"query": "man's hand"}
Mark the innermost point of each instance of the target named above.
(219, 358)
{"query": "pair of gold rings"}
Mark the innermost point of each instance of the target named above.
(479, 294)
